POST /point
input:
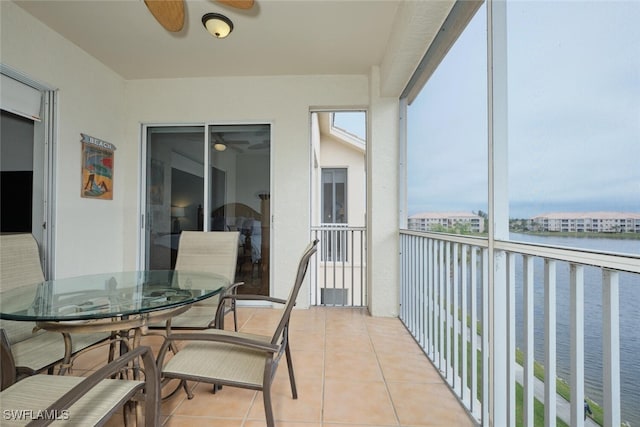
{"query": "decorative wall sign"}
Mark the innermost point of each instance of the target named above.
(97, 168)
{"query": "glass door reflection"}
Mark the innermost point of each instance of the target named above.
(239, 199)
(174, 190)
(235, 166)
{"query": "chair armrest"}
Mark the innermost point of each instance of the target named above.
(247, 297)
(152, 386)
(226, 337)
(214, 335)
(231, 290)
(220, 311)
(229, 293)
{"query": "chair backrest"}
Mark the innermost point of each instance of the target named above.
(19, 261)
(19, 266)
(210, 252)
(303, 265)
(7, 363)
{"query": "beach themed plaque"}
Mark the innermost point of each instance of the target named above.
(97, 168)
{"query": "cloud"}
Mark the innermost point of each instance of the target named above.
(573, 113)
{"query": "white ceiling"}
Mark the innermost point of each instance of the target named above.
(275, 37)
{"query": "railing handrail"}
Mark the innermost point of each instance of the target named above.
(601, 259)
(607, 260)
(340, 227)
(479, 241)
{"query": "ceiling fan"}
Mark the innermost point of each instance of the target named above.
(220, 144)
(170, 13)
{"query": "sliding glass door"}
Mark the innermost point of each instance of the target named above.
(213, 178)
(174, 191)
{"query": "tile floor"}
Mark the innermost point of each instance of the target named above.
(351, 370)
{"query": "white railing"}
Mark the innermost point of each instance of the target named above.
(338, 271)
(445, 305)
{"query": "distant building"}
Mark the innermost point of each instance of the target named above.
(427, 220)
(603, 222)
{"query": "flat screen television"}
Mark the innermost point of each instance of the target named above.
(16, 194)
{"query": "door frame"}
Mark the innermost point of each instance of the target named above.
(141, 261)
(44, 168)
(319, 267)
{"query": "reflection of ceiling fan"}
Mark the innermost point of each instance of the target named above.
(170, 13)
(220, 144)
(264, 144)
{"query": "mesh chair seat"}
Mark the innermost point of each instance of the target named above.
(227, 363)
(197, 317)
(38, 392)
(44, 349)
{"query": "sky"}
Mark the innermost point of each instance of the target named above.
(354, 122)
(573, 113)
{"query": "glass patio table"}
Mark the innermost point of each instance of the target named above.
(119, 303)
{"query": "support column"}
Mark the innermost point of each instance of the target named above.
(498, 398)
(383, 260)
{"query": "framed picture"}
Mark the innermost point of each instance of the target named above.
(97, 168)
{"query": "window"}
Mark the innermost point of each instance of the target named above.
(447, 137)
(334, 196)
(574, 104)
(334, 214)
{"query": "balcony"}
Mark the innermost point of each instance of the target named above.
(351, 369)
(355, 369)
(443, 296)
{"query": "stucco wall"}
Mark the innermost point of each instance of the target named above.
(89, 233)
(98, 236)
(282, 101)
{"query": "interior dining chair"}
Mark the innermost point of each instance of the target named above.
(209, 252)
(33, 350)
(81, 401)
(237, 359)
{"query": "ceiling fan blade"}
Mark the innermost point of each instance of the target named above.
(238, 4)
(260, 146)
(169, 13)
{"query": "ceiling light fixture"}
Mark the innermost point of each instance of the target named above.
(219, 146)
(218, 25)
